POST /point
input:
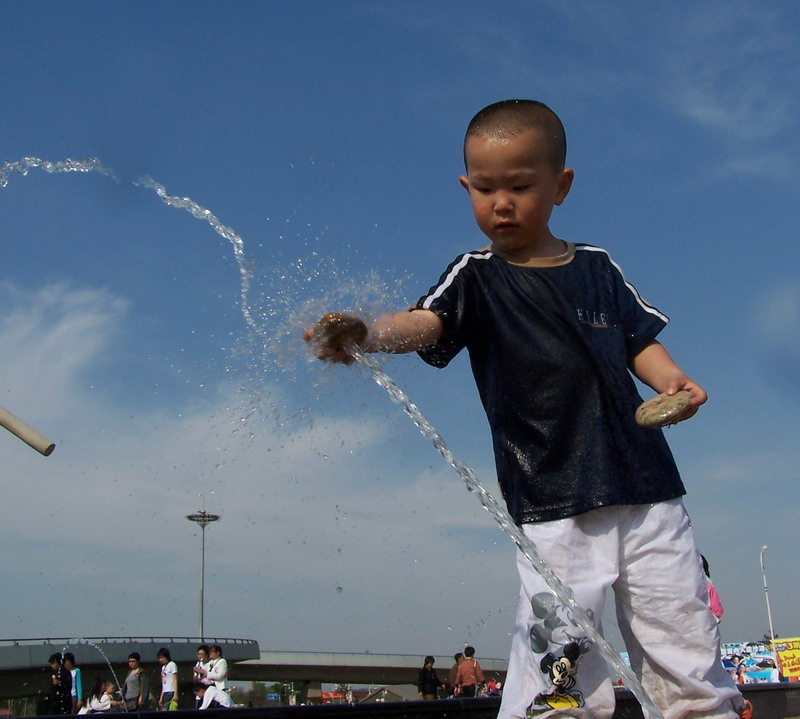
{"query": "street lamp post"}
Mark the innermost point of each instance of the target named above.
(766, 594)
(202, 518)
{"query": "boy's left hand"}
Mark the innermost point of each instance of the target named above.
(698, 394)
(653, 366)
(671, 406)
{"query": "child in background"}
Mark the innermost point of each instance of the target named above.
(714, 602)
(101, 698)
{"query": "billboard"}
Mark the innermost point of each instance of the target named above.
(788, 652)
(752, 662)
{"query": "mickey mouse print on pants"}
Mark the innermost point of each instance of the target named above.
(558, 642)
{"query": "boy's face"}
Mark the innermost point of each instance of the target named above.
(513, 188)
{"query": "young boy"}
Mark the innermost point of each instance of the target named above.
(553, 331)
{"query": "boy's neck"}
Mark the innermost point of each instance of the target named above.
(548, 247)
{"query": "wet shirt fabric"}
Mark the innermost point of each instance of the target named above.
(549, 348)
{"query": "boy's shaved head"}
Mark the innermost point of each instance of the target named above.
(513, 117)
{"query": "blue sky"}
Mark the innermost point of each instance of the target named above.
(327, 135)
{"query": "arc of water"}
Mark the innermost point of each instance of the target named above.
(201, 213)
(23, 166)
(526, 546)
(105, 658)
(561, 591)
(503, 518)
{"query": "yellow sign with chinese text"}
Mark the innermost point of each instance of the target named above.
(788, 652)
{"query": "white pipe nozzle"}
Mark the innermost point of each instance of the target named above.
(26, 433)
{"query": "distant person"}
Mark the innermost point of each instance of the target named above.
(59, 695)
(136, 687)
(217, 672)
(200, 669)
(428, 683)
(212, 698)
(451, 678)
(469, 676)
(169, 680)
(77, 681)
(101, 698)
(714, 602)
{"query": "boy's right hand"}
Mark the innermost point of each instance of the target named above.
(334, 332)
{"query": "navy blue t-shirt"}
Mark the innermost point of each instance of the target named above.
(549, 348)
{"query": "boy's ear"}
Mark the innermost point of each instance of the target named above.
(464, 181)
(564, 184)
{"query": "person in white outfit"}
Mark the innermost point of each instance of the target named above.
(217, 671)
(212, 698)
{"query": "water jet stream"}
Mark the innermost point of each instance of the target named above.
(76, 642)
(23, 166)
(467, 474)
(503, 518)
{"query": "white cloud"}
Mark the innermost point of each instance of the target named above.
(48, 337)
(727, 71)
(333, 503)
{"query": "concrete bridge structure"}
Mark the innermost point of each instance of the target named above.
(344, 668)
(24, 671)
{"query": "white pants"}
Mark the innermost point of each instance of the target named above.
(647, 554)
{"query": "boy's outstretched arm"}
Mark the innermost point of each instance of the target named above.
(654, 366)
(396, 333)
